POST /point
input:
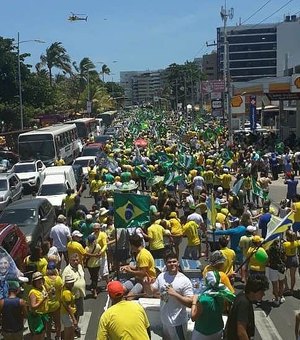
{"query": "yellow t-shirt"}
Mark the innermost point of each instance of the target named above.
(229, 254)
(114, 326)
(92, 174)
(290, 248)
(102, 241)
(226, 181)
(69, 201)
(221, 218)
(296, 208)
(190, 229)
(93, 262)
(245, 243)
(253, 263)
(95, 185)
(67, 299)
(156, 234)
(217, 180)
(42, 308)
(41, 264)
(54, 287)
(176, 227)
(144, 259)
(208, 176)
(76, 247)
(59, 162)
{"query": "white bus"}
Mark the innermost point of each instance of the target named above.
(48, 143)
(86, 127)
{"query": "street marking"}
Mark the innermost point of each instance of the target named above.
(265, 326)
(83, 324)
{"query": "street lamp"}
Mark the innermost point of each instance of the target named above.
(19, 74)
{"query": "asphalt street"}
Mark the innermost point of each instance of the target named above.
(271, 323)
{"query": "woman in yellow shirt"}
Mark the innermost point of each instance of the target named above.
(68, 308)
(53, 285)
(290, 248)
(36, 258)
(38, 305)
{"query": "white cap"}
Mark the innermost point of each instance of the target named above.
(251, 228)
(77, 233)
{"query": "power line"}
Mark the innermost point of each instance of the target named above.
(279, 9)
(258, 10)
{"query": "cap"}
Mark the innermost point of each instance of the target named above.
(13, 285)
(251, 228)
(77, 233)
(225, 170)
(91, 238)
(37, 276)
(61, 218)
(173, 214)
(69, 279)
(103, 211)
(89, 217)
(257, 239)
(216, 258)
(115, 289)
(218, 225)
(51, 265)
(219, 189)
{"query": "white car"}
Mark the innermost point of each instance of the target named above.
(11, 189)
(84, 161)
(30, 174)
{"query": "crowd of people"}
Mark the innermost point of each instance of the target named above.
(209, 204)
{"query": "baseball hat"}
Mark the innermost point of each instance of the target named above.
(69, 279)
(61, 218)
(51, 265)
(257, 239)
(77, 233)
(89, 217)
(219, 189)
(37, 276)
(13, 285)
(216, 258)
(251, 228)
(115, 289)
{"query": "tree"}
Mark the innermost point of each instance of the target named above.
(105, 70)
(55, 56)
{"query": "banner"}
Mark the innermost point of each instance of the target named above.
(131, 210)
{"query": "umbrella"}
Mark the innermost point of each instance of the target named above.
(140, 142)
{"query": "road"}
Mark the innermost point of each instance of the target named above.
(271, 323)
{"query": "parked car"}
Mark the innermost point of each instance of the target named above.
(84, 161)
(11, 189)
(30, 174)
(103, 139)
(14, 242)
(35, 217)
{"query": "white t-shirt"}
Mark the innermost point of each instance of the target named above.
(172, 312)
(196, 218)
(60, 235)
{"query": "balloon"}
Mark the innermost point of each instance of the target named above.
(261, 256)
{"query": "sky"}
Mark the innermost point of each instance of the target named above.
(129, 35)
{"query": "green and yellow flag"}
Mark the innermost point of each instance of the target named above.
(131, 210)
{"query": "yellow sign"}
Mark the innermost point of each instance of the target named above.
(236, 101)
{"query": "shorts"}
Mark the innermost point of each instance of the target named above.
(103, 267)
(133, 287)
(292, 261)
(192, 252)
(66, 320)
(274, 275)
(158, 253)
(79, 307)
(175, 332)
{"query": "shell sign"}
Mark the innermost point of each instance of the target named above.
(236, 101)
(295, 83)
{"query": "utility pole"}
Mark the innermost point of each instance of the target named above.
(225, 15)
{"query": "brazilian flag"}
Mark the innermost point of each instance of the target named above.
(131, 210)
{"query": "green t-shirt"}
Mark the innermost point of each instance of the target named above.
(86, 229)
(210, 320)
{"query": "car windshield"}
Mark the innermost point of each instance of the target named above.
(3, 184)
(24, 168)
(19, 216)
(90, 152)
(102, 139)
(83, 162)
(52, 189)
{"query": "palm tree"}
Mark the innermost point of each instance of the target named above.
(56, 56)
(105, 70)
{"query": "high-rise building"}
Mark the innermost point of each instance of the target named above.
(260, 50)
(141, 87)
(210, 66)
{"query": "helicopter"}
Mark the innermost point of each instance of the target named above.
(77, 17)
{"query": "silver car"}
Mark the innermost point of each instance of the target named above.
(11, 189)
